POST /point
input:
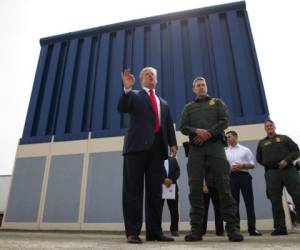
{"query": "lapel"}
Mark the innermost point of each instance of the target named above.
(148, 101)
(146, 97)
(161, 108)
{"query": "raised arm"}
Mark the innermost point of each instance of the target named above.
(125, 101)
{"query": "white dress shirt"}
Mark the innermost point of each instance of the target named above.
(166, 164)
(239, 154)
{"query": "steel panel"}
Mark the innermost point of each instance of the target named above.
(78, 82)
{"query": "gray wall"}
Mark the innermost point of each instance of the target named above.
(104, 189)
(25, 193)
(63, 192)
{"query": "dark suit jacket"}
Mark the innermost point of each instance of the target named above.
(140, 134)
(174, 170)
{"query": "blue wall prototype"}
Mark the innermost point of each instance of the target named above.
(77, 82)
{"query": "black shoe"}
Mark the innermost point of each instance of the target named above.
(160, 237)
(277, 232)
(220, 234)
(255, 233)
(193, 237)
(235, 236)
(175, 233)
(134, 239)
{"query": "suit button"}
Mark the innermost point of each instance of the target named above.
(146, 142)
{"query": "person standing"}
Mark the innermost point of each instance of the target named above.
(204, 121)
(150, 132)
(210, 192)
(241, 160)
(276, 153)
(171, 174)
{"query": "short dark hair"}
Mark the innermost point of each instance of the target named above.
(268, 120)
(232, 132)
(198, 78)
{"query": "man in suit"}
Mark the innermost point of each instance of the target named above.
(171, 174)
(150, 132)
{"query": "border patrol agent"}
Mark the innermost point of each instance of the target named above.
(276, 153)
(204, 121)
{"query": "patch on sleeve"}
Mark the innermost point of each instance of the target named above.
(212, 102)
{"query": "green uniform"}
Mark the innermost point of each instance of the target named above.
(270, 151)
(210, 114)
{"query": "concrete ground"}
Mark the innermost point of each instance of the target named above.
(34, 240)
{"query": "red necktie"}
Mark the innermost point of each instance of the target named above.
(154, 105)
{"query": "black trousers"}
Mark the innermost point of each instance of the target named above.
(173, 208)
(138, 166)
(242, 182)
(214, 197)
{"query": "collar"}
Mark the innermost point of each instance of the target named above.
(236, 146)
(269, 138)
(147, 90)
(197, 99)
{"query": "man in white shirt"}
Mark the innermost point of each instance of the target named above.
(241, 160)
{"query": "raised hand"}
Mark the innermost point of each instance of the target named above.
(127, 78)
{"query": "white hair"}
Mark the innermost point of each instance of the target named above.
(148, 68)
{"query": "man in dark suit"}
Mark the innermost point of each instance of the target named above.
(171, 174)
(150, 132)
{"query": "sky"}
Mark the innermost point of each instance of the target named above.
(274, 24)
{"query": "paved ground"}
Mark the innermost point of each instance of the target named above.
(12, 240)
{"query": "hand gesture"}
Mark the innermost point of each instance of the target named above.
(173, 151)
(236, 167)
(202, 136)
(205, 189)
(127, 78)
(282, 164)
(168, 182)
